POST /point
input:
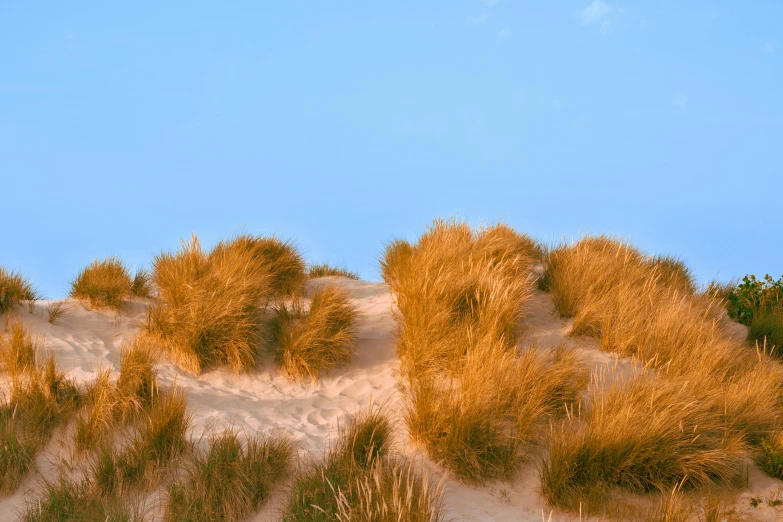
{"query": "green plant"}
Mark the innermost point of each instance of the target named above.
(766, 329)
(756, 296)
(323, 270)
(770, 456)
(14, 289)
(103, 284)
(308, 342)
(229, 481)
(67, 500)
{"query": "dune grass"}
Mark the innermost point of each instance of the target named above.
(358, 480)
(55, 310)
(324, 270)
(307, 342)
(142, 284)
(103, 284)
(109, 405)
(206, 313)
(15, 289)
(69, 500)
(229, 480)
(684, 441)
(460, 297)
(280, 259)
(636, 306)
(40, 399)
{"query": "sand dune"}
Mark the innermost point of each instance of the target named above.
(84, 341)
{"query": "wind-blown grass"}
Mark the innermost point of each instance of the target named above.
(206, 313)
(460, 296)
(103, 284)
(14, 289)
(683, 441)
(229, 480)
(307, 342)
(646, 309)
(358, 481)
(40, 399)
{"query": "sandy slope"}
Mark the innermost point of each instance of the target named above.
(84, 341)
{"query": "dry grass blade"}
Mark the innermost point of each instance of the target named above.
(56, 310)
(324, 270)
(15, 289)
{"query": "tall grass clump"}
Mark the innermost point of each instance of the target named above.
(103, 284)
(642, 435)
(40, 398)
(69, 500)
(142, 283)
(324, 270)
(207, 308)
(111, 404)
(229, 480)
(14, 289)
(160, 437)
(635, 306)
(309, 341)
(460, 297)
(358, 480)
(285, 265)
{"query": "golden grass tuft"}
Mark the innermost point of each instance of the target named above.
(14, 289)
(279, 258)
(103, 284)
(229, 480)
(56, 310)
(358, 481)
(643, 435)
(206, 313)
(324, 270)
(309, 342)
(142, 284)
(40, 399)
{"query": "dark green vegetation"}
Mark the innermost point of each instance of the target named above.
(758, 303)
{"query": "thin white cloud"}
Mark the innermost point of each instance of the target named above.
(479, 19)
(594, 12)
(491, 3)
(504, 34)
(769, 47)
(607, 27)
(679, 101)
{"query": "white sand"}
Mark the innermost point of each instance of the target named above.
(84, 341)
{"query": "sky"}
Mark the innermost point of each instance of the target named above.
(126, 126)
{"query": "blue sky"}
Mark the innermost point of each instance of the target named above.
(341, 125)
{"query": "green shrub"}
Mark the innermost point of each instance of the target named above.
(755, 296)
(308, 342)
(324, 270)
(14, 289)
(103, 284)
